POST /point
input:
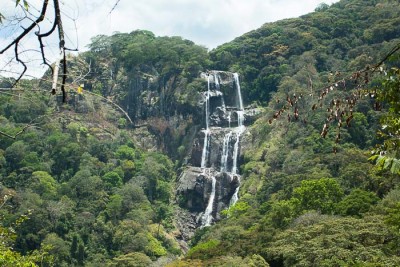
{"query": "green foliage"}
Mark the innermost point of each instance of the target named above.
(356, 203)
(132, 259)
(205, 250)
(58, 248)
(44, 185)
(334, 241)
(321, 195)
(154, 247)
(236, 210)
(8, 256)
(388, 154)
(226, 261)
(283, 212)
(393, 217)
(112, 179)
(98, 199)
(125, 152)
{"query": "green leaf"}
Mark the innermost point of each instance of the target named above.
(26, 5)
(395, 166)
(388, 162)
(380, 160)
(373, 158)
(17, 2)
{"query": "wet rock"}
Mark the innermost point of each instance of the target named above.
(195, 187)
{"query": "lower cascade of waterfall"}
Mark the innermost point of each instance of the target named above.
(207, 217)
(229, 145)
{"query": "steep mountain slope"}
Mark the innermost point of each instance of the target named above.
(303, 183)
(99, 191)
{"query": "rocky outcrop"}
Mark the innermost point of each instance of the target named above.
(194, 189)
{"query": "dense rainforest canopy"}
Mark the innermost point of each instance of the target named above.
(91, 182)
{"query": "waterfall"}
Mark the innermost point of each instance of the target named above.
(235, 197)
(207, 218)
(216, 81)
(228, 150)
(239, 130)
(204, 154)
(236, 77)
(218, 87)
(235, 153)
(225, 152)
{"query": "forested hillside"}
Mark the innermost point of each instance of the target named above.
(92, 182)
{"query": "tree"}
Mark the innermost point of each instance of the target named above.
(10, 257)
(112, 179)
(356, 203)
(58, 248)
(320, 195)
(334, 241)
(43, 184)
(132, 259)
(162, 212)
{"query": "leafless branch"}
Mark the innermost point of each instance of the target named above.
(387, 56)
(115, 5)
(30, 28)
(15, 136)
(16, 41)
(36, 23)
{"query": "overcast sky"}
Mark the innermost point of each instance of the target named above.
(206, 22)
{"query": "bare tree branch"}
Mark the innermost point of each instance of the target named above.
(16, 41)
(115, 5)
(18, 133)
(29, 125)
(27, 30)
(61, 37)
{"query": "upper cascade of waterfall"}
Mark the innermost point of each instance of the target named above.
(204, 154)
(239, 91)
(223, 102)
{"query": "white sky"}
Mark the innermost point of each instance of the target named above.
(206, 22)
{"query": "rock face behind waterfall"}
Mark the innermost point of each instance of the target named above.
(210, 181)
(195, 187)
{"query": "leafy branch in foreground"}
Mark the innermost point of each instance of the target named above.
(387, 155)
(350, 90)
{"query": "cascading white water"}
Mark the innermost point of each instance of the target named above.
(218, 87)
(236, 132)
(216, 81)
(239, 130)
(204, 154)
(235, 153)
(239, 92)
(235, 196)
(225, 152)
(207, 216)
